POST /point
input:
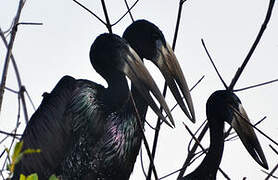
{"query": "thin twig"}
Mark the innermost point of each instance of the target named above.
(21, 95)
(191, 153)
(15, 130)
(9, 52)
(177, 25)
(128, 11)
(108, 24)
(272, 172)
(191, 140)
(91, 12)
(11, 90)
(221, 79)
(273, 149)
(256, 42)
(10, 134)
(142, 163)
(30, 99)
(30, 23)
(139, 121)
(176, 171)
(10, 28)
(153, 128)
(17, 77)
(259, 122)
(257, 85)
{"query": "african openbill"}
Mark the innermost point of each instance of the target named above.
(224, 106)
(86, 131)
(149, 42)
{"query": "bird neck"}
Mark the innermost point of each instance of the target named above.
(117, 92)
(210, 164)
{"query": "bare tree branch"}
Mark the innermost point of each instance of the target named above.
(258, 38)
(108, 24)
(272, 172)
(273, 149)
(144, 138)
(9, 52)
(128, 11)
(221, 79)
(257, 85)
(91, 12)
(20, 86)
(191, 153)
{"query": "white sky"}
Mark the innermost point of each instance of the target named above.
(61, 46)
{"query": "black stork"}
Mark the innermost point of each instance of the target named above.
(94, 135)
(149, 42)
(224, 106)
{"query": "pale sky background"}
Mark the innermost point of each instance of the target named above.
(61, 47)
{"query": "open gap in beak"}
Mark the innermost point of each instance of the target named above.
(168, 64)
(134, 68)
(246, 133)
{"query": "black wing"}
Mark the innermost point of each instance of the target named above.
(50, 130)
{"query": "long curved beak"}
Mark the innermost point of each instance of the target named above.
(134, 68)
(169, 66)
(247, 135)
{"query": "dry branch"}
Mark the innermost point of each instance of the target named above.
(9, 52)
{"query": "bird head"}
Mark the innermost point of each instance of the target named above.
(112, 56)
(224, 105)
(149, 42)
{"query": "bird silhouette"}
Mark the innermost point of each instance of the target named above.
(86, 131)
(224, 106)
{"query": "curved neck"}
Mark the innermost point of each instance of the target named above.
(117, 92)
(209, 166)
